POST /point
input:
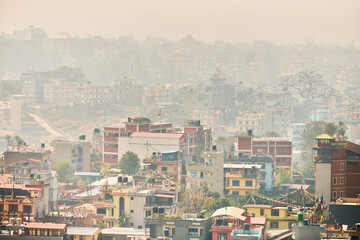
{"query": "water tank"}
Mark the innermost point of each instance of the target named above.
(250, 132)
(247, 227)
(214, 148)
(42, 145)
(125, 180)
(120, 179)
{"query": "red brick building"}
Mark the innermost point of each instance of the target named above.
(137, 124)
(278, 148)
(337, 168)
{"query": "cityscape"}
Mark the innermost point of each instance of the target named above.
(130, 138)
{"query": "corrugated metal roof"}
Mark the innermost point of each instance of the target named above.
(230, 211)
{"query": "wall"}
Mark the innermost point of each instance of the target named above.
(323, 180)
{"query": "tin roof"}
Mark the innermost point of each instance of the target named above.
(230, 211)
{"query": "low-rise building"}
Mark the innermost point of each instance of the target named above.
(277, 217)
(267, 170)
(209, 171)
(177, 227)
(241, 179)
(83, 233)
(235, 223)
(76, 153)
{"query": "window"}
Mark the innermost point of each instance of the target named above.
(222, 236)
(191, 150)
(334, 180)
(278, 160)
(334, 194)
(271, 149)
(26, 209)
(131, 224)
(341, 194)
(115, 134)
(148, 213)
(1, 207)
(248, 183)
(283, 150)
(342, 165)
(107, 134)
(235, 193)
(283, 159)
(107, 144)
(132, 198)
(115, 145)
(235, 183)
(131, 211)
(107, 155)
(274, 212)
(115, 156)
(193, 174)
(101, 211)
(274, 224)
(164, 169)
(261, 212)
(13, 208)
(193, 231)
(79, 160)
(341, 180)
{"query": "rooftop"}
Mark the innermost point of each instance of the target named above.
(157, 135)
(89, 231)
(45, 226)
(230, 211)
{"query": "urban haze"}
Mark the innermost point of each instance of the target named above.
(178, 120)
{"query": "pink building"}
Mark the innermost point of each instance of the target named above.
(278, 148)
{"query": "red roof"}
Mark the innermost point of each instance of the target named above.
(158, 135)
(19, 186)
(353, 147)
(45, 226)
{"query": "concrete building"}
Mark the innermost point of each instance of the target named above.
(188, 226)
(303, 232)
(158, 94)
(277, 147)
(10, 114)
(61, 93)
(76, 153)
(83, 233)
(241, 179)
(235, 223)
(128, 92)
(277, 217)
(35, 231)
(267, 170)
(91, 95)
(337, 168)
(251, 121)
(209, 171)
(144, 143)
(32, 86)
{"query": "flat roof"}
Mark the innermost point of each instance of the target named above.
(89, 231)
(234, 165)
(124, 231)
(96, 174)
(157, 135)
(256, 206)
(45, 226)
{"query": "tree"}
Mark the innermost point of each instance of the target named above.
(129, 163)
(123, 221)
(308, 84)
(225, 143)
(63, 170)
(194, 200)
(283, 176)
(68, 74)
(310, 132)
(8, 141)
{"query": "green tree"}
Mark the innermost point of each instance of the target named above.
(310, 132)
(272, 134)
(63, 170)
(129, 163)
(194, 200)
(283, 176)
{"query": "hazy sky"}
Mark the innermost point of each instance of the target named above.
(279, 21)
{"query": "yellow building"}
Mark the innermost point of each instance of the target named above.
(277, 217)
(83, 233)
(242, 179)
(111, 208)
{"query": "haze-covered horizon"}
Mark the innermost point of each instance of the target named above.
(278, 21)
